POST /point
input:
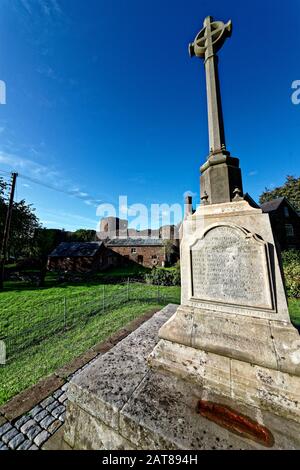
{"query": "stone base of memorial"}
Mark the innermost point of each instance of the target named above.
(118, 403)
(232, 333)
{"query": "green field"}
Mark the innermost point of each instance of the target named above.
(294, 308)
(42, 336)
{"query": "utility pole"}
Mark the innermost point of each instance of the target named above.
(7, 228)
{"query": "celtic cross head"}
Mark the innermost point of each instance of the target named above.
(211, 38)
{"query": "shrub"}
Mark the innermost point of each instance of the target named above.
(291, 268)
(164, 276)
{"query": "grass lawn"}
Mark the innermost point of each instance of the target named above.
(294, 309)
(33, 320)
(44, 358)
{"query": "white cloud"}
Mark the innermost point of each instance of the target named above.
(49, 8)
(253, 173)
(27, 6)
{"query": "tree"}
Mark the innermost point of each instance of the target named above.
(290, 190)
(83, 235)
(24, 224)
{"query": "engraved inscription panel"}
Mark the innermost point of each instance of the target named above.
(229, 267)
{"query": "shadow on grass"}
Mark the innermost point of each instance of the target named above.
(113, 275)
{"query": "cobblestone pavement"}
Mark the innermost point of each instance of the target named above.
(34, 428)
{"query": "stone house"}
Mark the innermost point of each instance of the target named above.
(96, 256)
(77, 257)
(148, 252)
(285, 222)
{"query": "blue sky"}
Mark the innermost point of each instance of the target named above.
(103, 99)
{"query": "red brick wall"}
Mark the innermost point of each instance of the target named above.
(76, 264)
(143, 254)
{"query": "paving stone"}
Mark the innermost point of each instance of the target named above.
(41, 415)
(25, 445)
(22, 421)
(35, 410)
(54, 426)
(45, 423)
(58, 411)
(34, 431)
(16, 441)
(9, 435)
(3, 446)
(63, 398)
(64, 387)
(62, 417)
(41, 438)
(47, 402)
(27, 426)
(4, 428)
(33, 447)
(58, 393)
(53, 406)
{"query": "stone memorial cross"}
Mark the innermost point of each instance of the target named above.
(224, 183)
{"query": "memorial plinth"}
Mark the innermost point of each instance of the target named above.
(225, 372)
(232, 333)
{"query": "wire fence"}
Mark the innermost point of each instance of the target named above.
(33, 325)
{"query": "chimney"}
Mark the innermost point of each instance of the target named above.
(188, 206)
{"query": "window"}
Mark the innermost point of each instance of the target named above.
(153, 256)
(289, 230)
(286, 211)
(133, 250)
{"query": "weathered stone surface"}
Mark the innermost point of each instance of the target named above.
(25, 445)
(56, 442)
(33, 431)
(16, 441)
(52, 406)
(57, 394)
(239, 217)
(35, 410)
(22, 421)
(27, 425)
(63, 398)
(4, 428)
(45, 423)
(41, 415)
(161, 408)
(9, 435)
(3, 446)
(33, 447)
(230, 265)
(104, 386)
(252, 385)
(47, 402)
(91, 433)
(58, 410)
(41, 438)
(54, 426)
